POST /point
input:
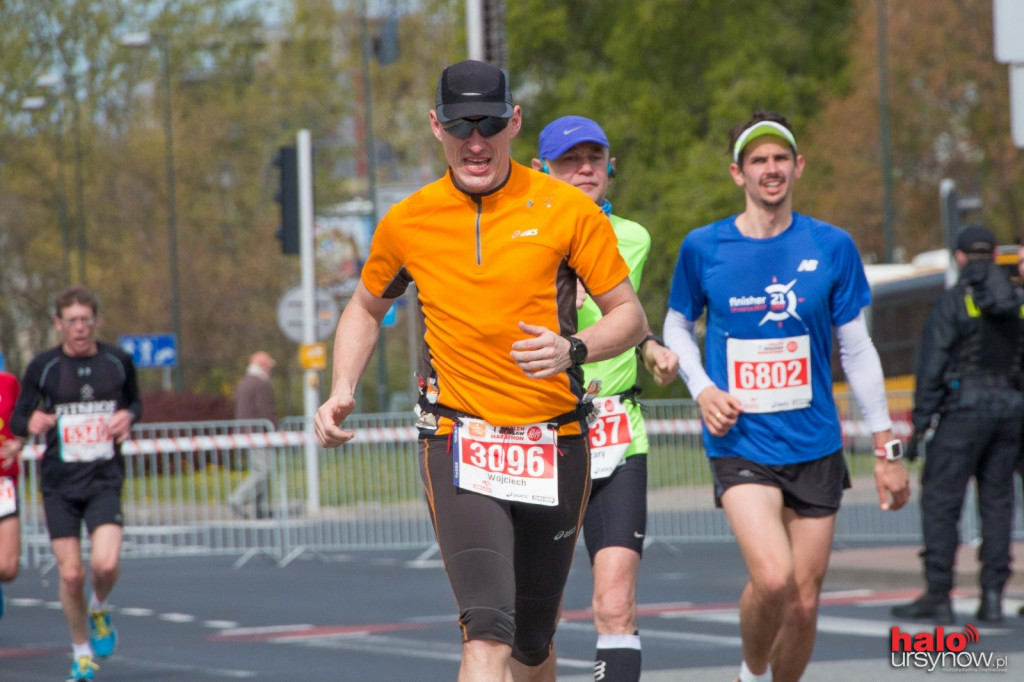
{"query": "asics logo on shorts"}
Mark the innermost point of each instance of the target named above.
(565, 534)
(524, 233)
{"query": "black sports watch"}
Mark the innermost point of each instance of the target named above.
(577, 351)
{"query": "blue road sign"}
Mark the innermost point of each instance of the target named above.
(391, 317)
(151, 351)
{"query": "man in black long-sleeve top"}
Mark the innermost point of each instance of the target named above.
(969, 394)
(83, 396)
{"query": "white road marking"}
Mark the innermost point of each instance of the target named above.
(177, 617)
(266, 630)
(24, 602)
(220, 624)
(194, 669)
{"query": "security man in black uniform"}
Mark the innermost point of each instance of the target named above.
(968, 397)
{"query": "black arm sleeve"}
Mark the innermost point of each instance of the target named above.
(132, 400)
(28, 399)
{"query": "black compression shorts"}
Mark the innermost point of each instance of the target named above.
(813, 488)
(507, 562)
(617, 513)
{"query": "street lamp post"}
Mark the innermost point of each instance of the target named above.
(883, 102)
(144, 39)
(36, 103)
(371, 172)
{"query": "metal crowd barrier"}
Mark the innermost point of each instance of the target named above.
(238, 488)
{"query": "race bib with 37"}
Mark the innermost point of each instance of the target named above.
(515, 463)
(610, 436)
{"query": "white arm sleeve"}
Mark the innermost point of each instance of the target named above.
(863, 370)
(681, 339)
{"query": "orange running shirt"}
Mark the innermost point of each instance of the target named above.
(482, 264)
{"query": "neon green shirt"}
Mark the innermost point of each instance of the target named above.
(618, 374)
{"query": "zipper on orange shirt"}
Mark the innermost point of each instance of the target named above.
(479, 212)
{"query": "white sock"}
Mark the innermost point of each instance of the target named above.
(97, 605)
(747, 676)
(80, 650)
(618, 641)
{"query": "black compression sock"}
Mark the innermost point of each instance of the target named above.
(617, 665)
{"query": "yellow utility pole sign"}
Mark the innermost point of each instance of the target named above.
(313, 356)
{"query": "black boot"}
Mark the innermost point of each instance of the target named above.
(990, 608)
(930, 606)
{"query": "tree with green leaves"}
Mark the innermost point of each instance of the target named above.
(667, 80)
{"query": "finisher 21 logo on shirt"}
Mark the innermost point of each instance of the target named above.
(779, 304)
(782, 302)
(942, 650)
(770, 374)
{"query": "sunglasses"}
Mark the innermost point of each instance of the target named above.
(462, 128)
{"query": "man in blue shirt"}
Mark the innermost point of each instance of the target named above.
(775, 284)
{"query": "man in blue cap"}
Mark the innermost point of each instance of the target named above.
(575, 150)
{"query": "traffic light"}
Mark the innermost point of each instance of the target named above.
(288, 196)
(495, 41)
(955, 207)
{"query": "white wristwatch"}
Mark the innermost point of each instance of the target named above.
(891, 451)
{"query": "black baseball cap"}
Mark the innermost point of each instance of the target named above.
(472, 88)
(975, 239)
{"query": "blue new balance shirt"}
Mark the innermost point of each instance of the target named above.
(800, 283)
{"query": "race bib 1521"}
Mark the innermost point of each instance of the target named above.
(85, 437)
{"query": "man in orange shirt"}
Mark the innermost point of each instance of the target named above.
(495, 249)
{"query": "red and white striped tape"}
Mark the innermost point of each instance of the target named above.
(384, 434)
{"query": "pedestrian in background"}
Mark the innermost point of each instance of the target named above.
(495, 250)
(776, 285)
(83, 397)
(254, 399)
(575, 150)
(968, 397)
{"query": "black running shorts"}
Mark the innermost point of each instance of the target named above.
(813, 488)
(65, 513)
(617, 513)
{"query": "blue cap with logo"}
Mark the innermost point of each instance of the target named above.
(564, 133)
